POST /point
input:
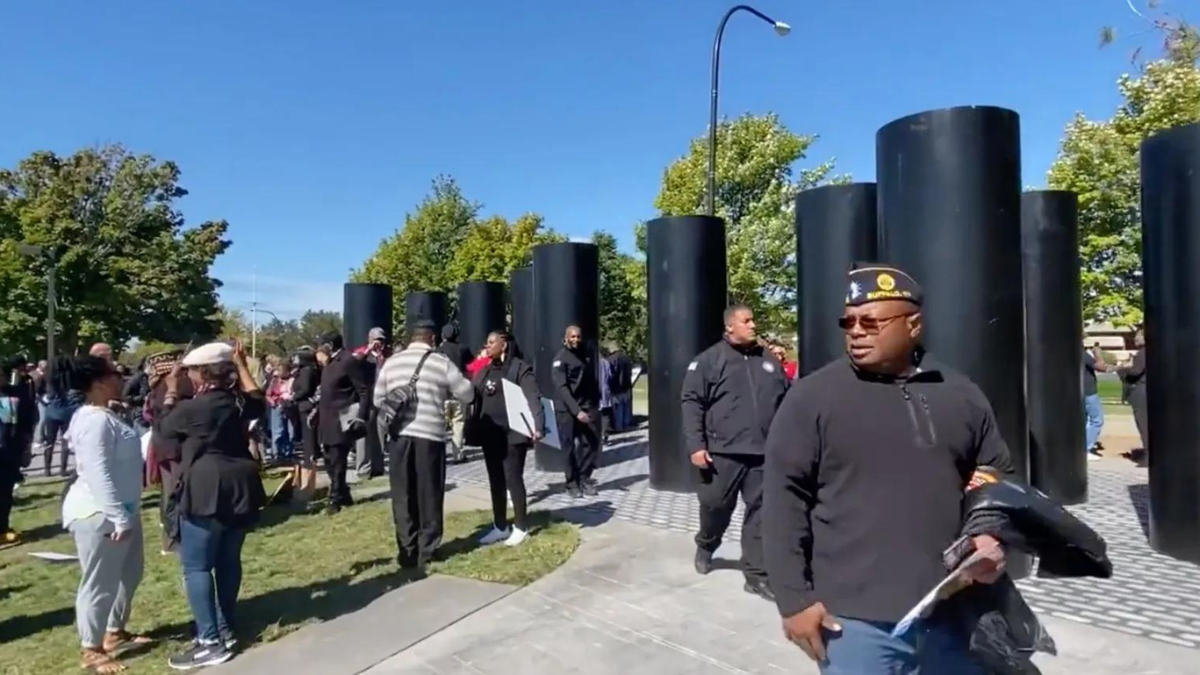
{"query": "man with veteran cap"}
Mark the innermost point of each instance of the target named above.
(867, 462)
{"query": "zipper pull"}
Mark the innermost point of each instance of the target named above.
(904, 390)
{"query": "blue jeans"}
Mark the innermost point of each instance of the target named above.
(281, 434)
(867, 647)
(1095, 420)
(623, 411)
(211, 552)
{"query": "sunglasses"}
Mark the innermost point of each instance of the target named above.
(869, 324)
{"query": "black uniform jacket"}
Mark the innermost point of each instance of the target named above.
(730, 395)
(490, 415)
(864, 485)
(576, 387)
(342, 385)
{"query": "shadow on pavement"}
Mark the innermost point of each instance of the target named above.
(1139, 496)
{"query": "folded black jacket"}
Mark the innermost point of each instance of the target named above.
(1003, 632)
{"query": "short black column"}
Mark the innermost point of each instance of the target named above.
(365, 306)
(480, 311)
(1053, 344)
(835, 227)
(566, 284)
(523, 310)
(685, 262)
(1171, 268)
(426, 306)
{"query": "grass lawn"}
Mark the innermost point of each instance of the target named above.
(298, 569)
(1110, 396)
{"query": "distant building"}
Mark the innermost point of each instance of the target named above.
(1114, 340)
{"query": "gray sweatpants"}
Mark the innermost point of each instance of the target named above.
(112, 571)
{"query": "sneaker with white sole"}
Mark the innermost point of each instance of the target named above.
(200, 656)
(494, 537)
(518, 535)
(1093, 457)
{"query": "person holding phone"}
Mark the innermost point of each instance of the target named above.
(730, 394)
(101, 510)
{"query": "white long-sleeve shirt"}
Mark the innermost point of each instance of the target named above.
(108, 461)
(439, 380)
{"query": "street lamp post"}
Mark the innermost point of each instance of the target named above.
(782, 29)
(51, 272)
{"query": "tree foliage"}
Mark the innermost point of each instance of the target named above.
(445, 242)
(1099, 161)
(1179, 40)
(622, 296)
(126, 264)
(756, 192)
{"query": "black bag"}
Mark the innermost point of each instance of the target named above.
(399, 399)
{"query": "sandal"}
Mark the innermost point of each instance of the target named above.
(95, 661)
(118, 641)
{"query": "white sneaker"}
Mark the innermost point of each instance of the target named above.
(494, 537)
(518, 535)
(1093, 457)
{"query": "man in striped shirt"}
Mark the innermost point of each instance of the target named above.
(417, 451)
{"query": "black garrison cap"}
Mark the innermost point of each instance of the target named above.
(873, 282)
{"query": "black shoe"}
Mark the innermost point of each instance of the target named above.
(200, 656)
(574, 491)
(704, 563)
(760, 588)
(333, 509)
(588, 488)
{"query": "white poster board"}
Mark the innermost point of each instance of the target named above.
(521, 419)
(550, 434)
(634, 375)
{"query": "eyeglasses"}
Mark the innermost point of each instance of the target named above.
(869, 324)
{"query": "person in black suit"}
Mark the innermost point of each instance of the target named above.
(343, 412)
(304, 396)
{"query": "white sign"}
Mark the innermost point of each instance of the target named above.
(521, 419)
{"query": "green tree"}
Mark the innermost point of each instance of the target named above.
(622, 308)
(1180, 40)
(494, 247)
(1098, 160)
(126, 265)
(756, 191)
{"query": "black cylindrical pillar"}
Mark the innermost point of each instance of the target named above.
(426, 306)
(480, 311)
(365, 306)
(685, 285)
(1053, 344)
(1171, 269)
(524, 326)
(566, 284)
(835, 227)
(949, 188)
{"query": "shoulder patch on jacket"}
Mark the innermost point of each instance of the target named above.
(693, 365)
(556, 364)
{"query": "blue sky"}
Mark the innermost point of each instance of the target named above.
(313, 127)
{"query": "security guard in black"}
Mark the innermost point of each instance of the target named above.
(730, 394)
(577, 410)
(867, 463)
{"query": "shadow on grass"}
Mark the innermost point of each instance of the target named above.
(6, 591)
(41, 532)
(31, 624)
(26, 501)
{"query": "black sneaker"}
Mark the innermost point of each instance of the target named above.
(574, 491)
(588, 488)
(200, 656)
(704, 563)
(760, 588)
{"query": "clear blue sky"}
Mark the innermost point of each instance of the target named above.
(313, 127)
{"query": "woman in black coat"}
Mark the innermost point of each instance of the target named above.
(304, 397)
(504, 449)
(1135, 377)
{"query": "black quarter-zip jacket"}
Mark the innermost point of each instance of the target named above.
(864, 485)
(730, 395)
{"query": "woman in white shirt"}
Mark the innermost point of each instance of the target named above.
(101, 510)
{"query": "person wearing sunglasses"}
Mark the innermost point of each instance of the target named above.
(867, 463)
(729, 395)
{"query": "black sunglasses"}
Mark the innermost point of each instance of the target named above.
(869, 324)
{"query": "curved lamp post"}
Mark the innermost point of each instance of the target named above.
(782, 29)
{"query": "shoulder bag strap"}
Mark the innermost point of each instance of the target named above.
(412, 381)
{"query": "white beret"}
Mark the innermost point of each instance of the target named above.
(209, 354)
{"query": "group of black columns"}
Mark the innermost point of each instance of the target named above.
(560, 289)
(1000, 269)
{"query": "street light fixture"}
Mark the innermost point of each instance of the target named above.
(35, 251)
(782, 29)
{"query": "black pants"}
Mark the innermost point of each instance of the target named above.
(306, 437)
(371, 462)
(417, 474)
(7, 482)
(506, 474)
(335, 465)
(581, 443)
(718, 492)
(1141, 413)
(51, 430)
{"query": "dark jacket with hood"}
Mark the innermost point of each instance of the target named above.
(459, 355)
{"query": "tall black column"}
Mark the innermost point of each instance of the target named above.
(950, 215)
(835, 227)
(1053, 344)
(524, 325)
(365, 306)
(1171, 268)
(426, 306)
(685, 264)
(566, 284)
(480, 311)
